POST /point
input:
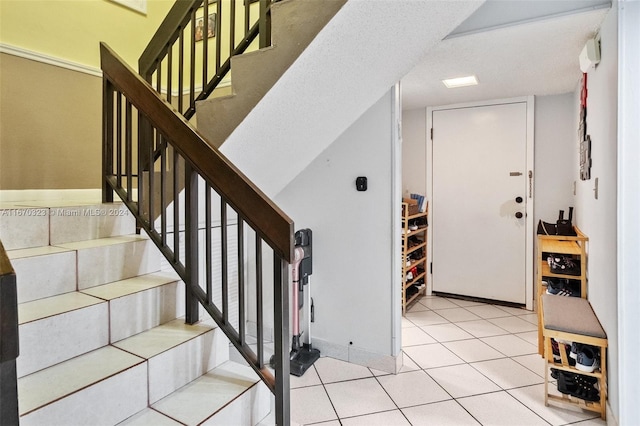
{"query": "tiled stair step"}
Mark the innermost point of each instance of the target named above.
(58, 328)
(22, 227)
(106, 260)
(177, 353)
(140, 303)
(102, 387)
(230, 394)
(41, 223)
(43, 271)
(86, 222)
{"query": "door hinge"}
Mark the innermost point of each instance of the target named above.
(432, 133)
(431, 268)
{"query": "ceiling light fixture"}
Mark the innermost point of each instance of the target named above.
(471, 80)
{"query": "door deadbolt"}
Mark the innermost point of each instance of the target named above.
(518, 200)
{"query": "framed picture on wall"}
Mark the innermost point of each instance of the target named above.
(210, 27)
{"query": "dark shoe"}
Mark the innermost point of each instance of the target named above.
(587, 359)
(560, 264)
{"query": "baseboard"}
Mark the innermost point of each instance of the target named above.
(85, 195)
(386, 363)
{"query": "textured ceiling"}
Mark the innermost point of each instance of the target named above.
(534, 58)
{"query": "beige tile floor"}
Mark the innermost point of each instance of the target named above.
(464, 363)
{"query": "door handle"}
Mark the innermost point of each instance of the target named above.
(519, 215)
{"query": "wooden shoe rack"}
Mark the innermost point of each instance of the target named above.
(568, 319)
(414, 253)
(571, 319)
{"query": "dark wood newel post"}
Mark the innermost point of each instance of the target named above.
(9, 343)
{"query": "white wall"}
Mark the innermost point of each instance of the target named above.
(555, 155)
(414, 156)
(628, 211)
(353, 235)
(597, 218)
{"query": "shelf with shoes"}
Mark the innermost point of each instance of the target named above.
(561, 269)
(414, 253)
(575, 350)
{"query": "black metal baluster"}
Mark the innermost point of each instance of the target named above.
(192, 60)
(259, 313)
(181, 71)
(191, 243)
(241, 274)
(108, 94)
(225, 272)
(129, 160)
(205, 44)
(151, 162)
(169, 73)
(119, 141)
(265, 24)
(163, 190)
(247, 16)
(232, 26)
(281, 337)
(208, 244)
(141, 169)
(219, 35)
(176, 208)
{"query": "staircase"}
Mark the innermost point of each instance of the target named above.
(294, 24)
(103, 339)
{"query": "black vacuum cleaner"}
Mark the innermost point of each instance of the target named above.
(302, 355)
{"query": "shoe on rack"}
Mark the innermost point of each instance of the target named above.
(555, 348)
(575, 348)
(587, 359)
(567, 383)
(558, 287)
(560, 264)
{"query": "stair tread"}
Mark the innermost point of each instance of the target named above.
(132, 285)
(55, 305)
(198, 400)
(48, 385)
(149, 417)
(102, 242)
(162, 338)
(35, 251)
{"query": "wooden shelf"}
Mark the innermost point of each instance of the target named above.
(576, 248)
(421, 233)
(546, 272)
(414, 280)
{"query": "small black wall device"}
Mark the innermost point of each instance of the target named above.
(361, 183)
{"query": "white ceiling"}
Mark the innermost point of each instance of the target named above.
(533, 53)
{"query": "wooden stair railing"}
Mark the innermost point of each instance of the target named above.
(181, 57)
(185, 230)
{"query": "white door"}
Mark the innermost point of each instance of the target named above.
(480, 181)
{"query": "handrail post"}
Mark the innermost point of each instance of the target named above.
(107, 139)
(281, 337)
(191, 243)
(9, 343)
(265, 24)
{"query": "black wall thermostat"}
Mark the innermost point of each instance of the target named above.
(361, 183)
